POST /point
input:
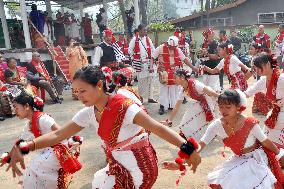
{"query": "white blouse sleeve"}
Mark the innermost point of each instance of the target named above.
(199, 86)
(220, 66)
(236, 61)
(45, 123)
(156, 52)
(131, 112)
(211, 132)
(258, 133)
(85, 117)
(259, 86)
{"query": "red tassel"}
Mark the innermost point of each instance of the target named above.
(194, 142)
(183, 155)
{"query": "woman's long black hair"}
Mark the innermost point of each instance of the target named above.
(25, 98)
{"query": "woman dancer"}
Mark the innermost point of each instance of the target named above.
(232, 66)
(255, 160)
(198, 115)
(261, 104)
(77, 59)
(132, 162)
(45, 170)
(272, 84)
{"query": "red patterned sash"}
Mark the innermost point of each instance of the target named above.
(271, 94)
(137, 52)
(35, 123)
(109, 127)
(67, 160)
(201, 99)
(237, 142)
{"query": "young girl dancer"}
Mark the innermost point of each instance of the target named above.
(47, 170)
(232, 66)
(272, 84)
(198, 115)
(132, 162)
(255, 160)
(261, 104)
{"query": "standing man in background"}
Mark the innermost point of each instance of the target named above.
(141, 49)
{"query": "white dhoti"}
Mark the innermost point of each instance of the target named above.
(145, 82)
(169, 95)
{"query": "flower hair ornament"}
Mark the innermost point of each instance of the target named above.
(38, 101)
(230, 49)
(107, 73)
(243, 100)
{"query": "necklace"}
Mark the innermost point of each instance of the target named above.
(227, 124)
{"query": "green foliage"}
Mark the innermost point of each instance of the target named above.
(163, 26)
(247, 33)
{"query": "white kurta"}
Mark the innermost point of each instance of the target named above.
(276, 134)
(169, 94)
(145, 79)
(193, 123)
(42, 172)
(103, 180)
(247, 171)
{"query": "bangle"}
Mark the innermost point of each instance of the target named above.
(280, 154)
(34, 145)
(74, 139)
(23, 145)
(5, 158)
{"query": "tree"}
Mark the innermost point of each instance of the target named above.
(207, 5)
(213, 4)
(202, 3)
(122, 11)
(143, 11)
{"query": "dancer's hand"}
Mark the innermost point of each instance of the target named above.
(16, 157)
(194, 160)
(170, 165)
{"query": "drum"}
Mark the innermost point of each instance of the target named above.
(167, 77)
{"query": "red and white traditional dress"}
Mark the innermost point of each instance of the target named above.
(171, 60)
(231, 66)
(275, 92)
(257, 169)
(44, 170)
(263, 40)
(132, 162)
(199, 114)
(141, 50)
(279, 49)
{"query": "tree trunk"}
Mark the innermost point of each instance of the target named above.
(122, 10)
(202, 3)
(213, 3)
(207, 5)
(143, 11)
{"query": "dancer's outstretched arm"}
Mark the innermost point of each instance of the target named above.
(43, 141)
(145, 121)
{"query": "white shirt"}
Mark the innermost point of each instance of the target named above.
(260, 86)
(45, 124)
(234, 65)
(75, 30)
(130, 95)
(86, 116)
(159, 52)
(98, 54)
(216, 129)
(143, 51)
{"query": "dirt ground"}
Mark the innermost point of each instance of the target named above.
(92, 157)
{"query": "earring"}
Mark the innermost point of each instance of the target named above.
(100, 88)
